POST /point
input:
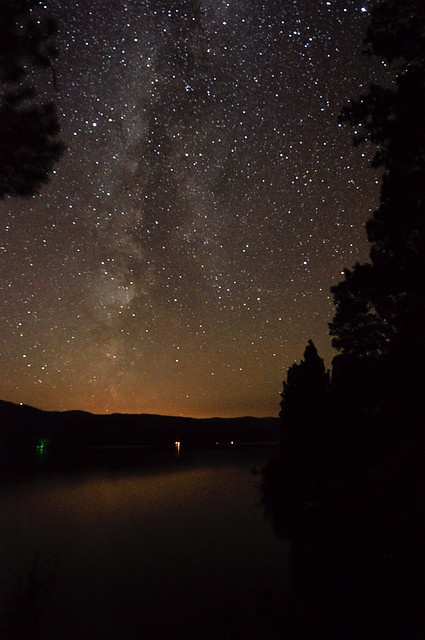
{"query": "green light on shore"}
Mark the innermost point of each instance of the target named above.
(42, 445)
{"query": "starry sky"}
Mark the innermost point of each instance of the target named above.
(183, 252)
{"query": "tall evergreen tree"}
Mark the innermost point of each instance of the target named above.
(304, 417)
(380, 306)
(368, 530)
(305, 390)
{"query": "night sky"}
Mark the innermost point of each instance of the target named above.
(183, 252)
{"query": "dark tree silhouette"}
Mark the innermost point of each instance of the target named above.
(304, 409)
(357, 553)
(304, 395)
(29, 127)
(378, 376)
(380, 306)
(361, 337)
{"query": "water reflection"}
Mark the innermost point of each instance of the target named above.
(165, 550)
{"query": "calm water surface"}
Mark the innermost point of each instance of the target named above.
(165, 547)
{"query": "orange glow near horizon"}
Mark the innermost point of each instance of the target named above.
(182, 254)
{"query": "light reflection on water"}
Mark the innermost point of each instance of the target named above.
(170, 547)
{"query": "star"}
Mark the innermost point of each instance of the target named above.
(207, 199)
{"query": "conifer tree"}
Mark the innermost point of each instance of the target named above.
(305, 390)
(304, 417)
(378, 327)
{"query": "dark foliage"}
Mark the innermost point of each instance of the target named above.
(305, 390)
(26, 36)
(380, 306)
(29, 146)
(357, 550)
(304, 410)
(29, 126)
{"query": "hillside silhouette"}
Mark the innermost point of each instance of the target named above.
(23, 427)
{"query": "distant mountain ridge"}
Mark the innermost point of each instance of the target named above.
(22, 426)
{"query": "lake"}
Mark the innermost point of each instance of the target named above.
(141, 544)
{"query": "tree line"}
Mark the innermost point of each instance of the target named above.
(377, 388)
(348, 487)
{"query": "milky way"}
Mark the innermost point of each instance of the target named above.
(183, 252)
